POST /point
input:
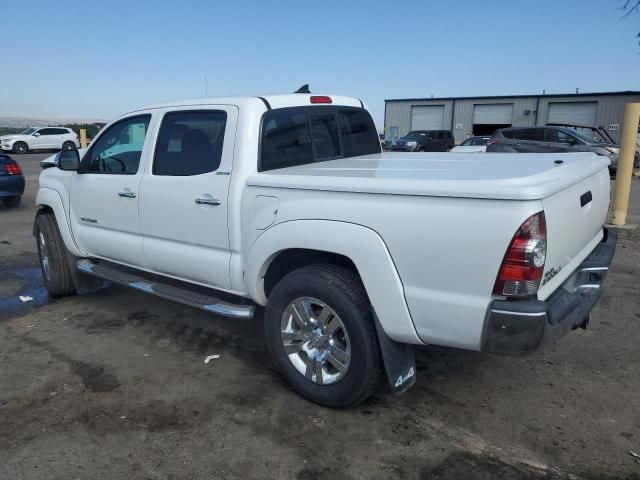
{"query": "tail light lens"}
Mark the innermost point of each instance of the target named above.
(491, 141)
(12, 169)
(320, 99)
(523, 264)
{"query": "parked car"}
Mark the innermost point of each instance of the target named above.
(40, 138)
(425, 141)
(11, 181)
(472, 145)
(600, 134)
(549, 139)
(287, 202)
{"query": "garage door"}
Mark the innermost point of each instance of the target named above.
(427, 117)
(580, 113)
(493, 114)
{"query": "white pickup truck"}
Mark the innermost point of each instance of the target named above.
(287, 202)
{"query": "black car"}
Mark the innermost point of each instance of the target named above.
(425, 141)
(549, 139)
(11, 181)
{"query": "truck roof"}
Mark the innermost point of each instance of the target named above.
(261, 102)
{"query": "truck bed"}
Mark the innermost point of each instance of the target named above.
(492, 175)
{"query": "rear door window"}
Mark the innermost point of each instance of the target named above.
(531, 134)
(556, 136)
(190, 143)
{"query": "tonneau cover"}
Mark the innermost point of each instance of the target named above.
(515, 176)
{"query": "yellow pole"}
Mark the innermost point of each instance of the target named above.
(83, 138)
(622, 188)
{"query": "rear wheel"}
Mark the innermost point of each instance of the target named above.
(52, 255)
(20, 147)
(68, 146)
(321, 335)
(12, 202)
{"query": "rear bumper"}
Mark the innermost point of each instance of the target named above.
(515, 327)
(11, 185)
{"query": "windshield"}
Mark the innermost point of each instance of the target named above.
(412, 135)
(27, 131)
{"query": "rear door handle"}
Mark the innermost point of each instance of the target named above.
(127, 194)
(207, 201)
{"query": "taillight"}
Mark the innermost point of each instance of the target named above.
(320, 99)
(12, 169)
(523, 264)
(491, 141)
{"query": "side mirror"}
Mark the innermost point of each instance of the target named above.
(68, 160)
(36, 134)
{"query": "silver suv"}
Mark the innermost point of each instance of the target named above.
(549, 139)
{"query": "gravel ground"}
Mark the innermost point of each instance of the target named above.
(113, 385)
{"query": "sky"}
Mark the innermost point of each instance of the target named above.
(96, 60)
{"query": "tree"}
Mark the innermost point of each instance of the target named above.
(629, 7)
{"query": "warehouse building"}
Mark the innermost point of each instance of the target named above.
(467, 116)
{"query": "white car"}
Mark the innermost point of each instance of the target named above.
(40, 138)
(288, 202)
(472, 145)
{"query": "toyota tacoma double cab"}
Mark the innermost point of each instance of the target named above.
(287, 202)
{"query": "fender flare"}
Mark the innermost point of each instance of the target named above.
(362, 245)
(48, 197)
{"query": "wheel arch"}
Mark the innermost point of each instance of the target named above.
(351, 245)
(49, 201)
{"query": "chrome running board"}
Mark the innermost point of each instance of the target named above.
(164, 290)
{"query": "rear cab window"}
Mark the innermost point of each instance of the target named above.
(303, 135)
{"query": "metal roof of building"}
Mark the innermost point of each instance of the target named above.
(490, 97)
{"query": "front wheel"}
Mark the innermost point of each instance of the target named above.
(52, 255)
(20, 147)
(321, 335)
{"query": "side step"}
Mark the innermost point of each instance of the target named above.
(170, 292)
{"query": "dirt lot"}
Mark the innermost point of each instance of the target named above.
(113, 385)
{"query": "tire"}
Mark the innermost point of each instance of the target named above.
(12, 202)
(52, 255)
(68, 146)
(636, 160)
(20, 147)
(339, 289)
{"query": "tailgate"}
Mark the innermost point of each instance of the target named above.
(575, 217)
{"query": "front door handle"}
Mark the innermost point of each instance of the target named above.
(127, 194)
(207, 201)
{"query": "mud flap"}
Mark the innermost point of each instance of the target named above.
(399, 361)
(82, 282)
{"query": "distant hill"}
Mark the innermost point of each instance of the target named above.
(24, 122)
